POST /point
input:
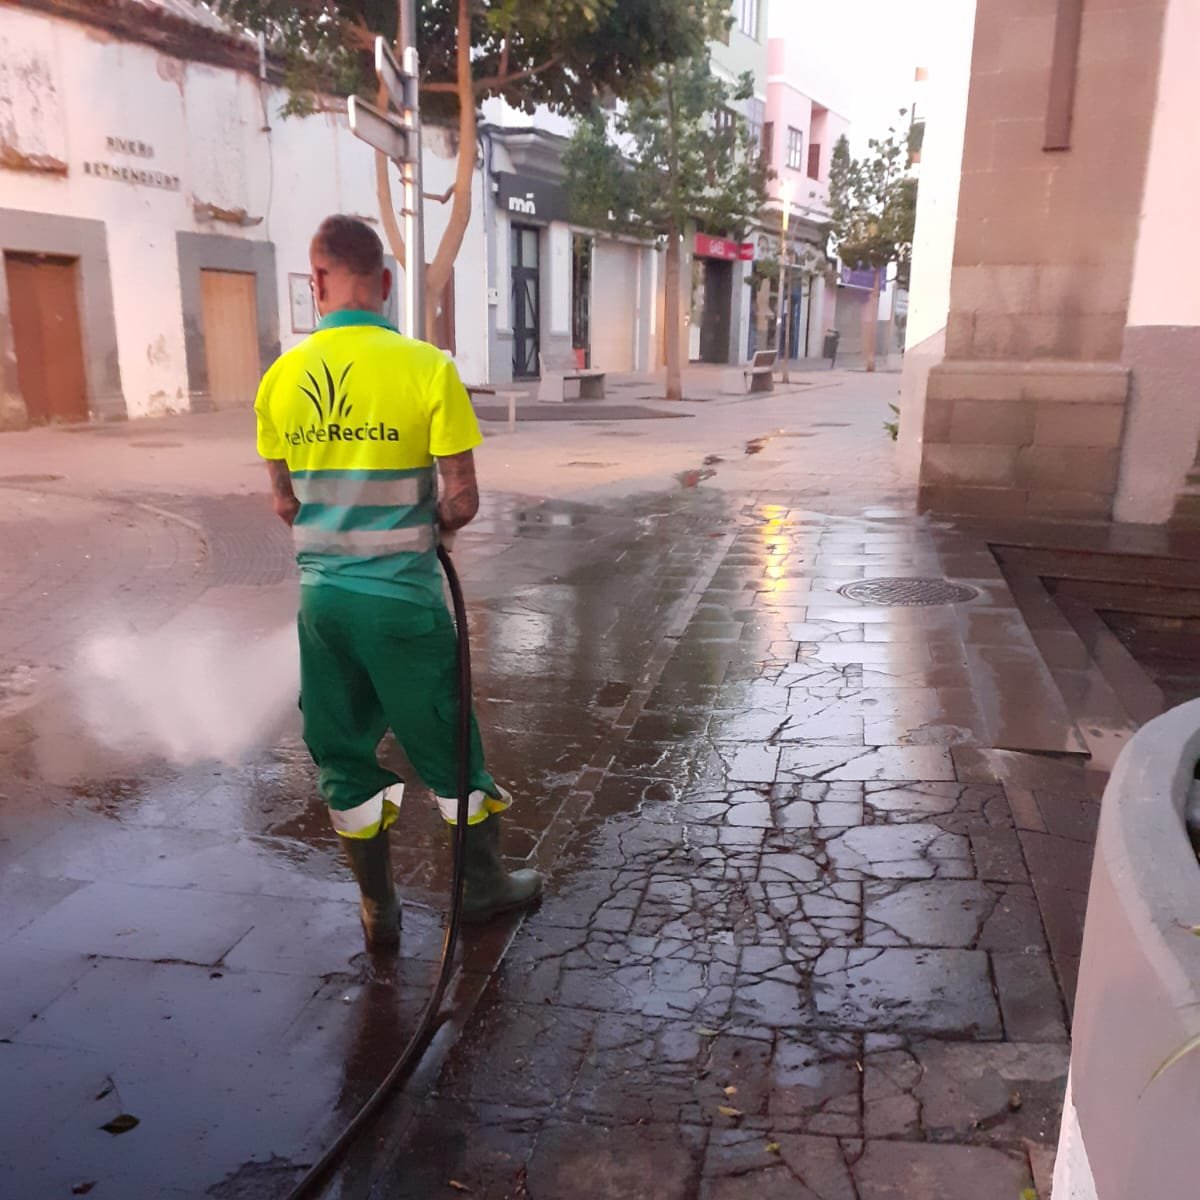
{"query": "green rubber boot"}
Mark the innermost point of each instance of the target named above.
(490, 889)
(371, 863)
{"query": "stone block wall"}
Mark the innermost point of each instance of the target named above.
(1013, 439)
(1027, 413)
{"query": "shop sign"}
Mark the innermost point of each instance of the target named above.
(527, 197)
(714, 247)
(860, 277)
(122, 173)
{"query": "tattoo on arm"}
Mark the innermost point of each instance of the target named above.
(459, 500)
(283, 496)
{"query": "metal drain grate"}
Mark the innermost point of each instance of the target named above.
(907, 593)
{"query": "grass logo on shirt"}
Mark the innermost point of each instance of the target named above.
(334, 421)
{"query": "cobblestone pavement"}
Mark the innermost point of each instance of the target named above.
(817, 866)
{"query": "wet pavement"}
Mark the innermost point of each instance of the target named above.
(817, 866)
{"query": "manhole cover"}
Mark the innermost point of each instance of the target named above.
(907, 593)
(30, 478)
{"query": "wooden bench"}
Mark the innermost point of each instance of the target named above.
(558, 370)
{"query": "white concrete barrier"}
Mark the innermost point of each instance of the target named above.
(1125, 1135)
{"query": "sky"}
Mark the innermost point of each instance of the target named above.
(867, 52)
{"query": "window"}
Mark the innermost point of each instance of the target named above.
(795, 157)
(814, 160)
(768, 141)
(756, 110)
(747, 11)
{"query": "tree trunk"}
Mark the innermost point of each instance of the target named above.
(671, 316)
(762, 314)
(387, 210)
(442, 265)
(870, 324)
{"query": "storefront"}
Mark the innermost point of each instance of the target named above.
(720, 302)
(559, 293)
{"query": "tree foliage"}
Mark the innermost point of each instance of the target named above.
(872, 203)
(676, 153)
(562, 53)
(567, 54)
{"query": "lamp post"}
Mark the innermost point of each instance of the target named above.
(781, 339)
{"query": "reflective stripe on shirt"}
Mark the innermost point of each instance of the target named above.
(365, 514)
(345, 489)
(363, 543)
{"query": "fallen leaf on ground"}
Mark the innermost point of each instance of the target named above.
(726, 1111)
(459, 1187)
(773, 1147)
(730, 1090)
(703, 1032)
(121, 1123)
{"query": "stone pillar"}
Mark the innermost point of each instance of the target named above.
(1026, 413)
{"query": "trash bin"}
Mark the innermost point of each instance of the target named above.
(832, 337)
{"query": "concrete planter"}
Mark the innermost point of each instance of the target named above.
(1139, 984)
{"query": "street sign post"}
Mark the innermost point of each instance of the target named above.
(384, 131)
(398, 135)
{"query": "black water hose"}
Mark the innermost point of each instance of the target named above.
(408, 1057)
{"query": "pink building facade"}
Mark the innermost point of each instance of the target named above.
(799, 135)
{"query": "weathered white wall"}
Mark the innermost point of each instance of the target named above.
(1163, 425)
(64, 90)
(937, 215)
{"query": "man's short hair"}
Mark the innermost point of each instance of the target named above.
(350, 243)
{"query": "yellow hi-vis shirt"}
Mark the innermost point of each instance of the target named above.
(359, 413)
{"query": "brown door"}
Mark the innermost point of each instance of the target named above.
(43, 297)
(228, 310)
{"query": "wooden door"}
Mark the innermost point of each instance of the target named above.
(43, 298)
(229, 312)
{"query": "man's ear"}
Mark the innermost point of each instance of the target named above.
(385, 284)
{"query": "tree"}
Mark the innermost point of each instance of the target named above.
(872, 204)
(562, 53)
(686, 158)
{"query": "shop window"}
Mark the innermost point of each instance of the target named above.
(581, 298)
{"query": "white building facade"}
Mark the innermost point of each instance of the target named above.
(156, 210)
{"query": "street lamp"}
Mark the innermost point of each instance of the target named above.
(781, 339)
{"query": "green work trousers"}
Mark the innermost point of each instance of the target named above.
(370, 663)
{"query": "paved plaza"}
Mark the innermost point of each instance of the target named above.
(817, 865)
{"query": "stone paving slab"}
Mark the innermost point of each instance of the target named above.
(792, 940)
(842, 984)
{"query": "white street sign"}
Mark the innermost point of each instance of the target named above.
(390, 73)
(385, 132)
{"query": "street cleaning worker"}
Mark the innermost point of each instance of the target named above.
(356, 424)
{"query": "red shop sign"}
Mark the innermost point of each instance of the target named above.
(713, 247)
